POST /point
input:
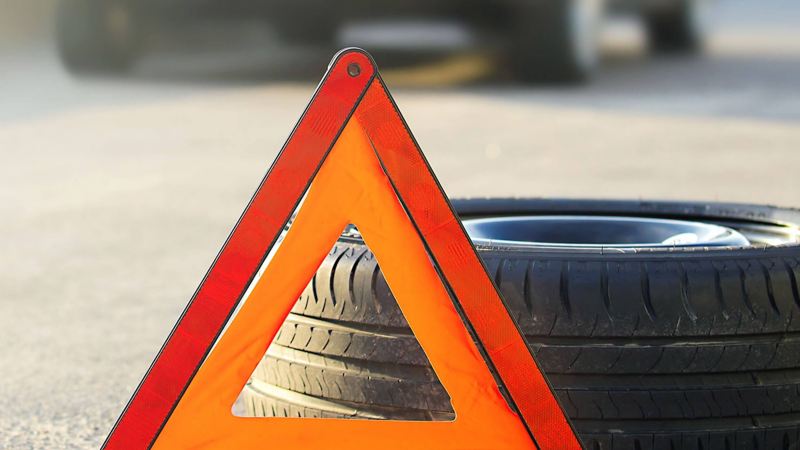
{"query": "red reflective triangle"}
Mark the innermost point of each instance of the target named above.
(351, 131)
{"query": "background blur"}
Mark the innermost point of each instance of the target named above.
(120, 183)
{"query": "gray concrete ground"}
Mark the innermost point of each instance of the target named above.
(116, 194)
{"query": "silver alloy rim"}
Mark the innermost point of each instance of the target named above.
(600, 232)
(584, 17)
(699, 16)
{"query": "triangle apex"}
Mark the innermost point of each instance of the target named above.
(352, 54)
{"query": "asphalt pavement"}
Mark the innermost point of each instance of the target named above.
(117, 193)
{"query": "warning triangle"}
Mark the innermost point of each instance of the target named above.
(350, 159)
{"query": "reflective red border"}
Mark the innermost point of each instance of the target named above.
(455, 256)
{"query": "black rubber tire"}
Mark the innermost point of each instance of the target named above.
(687, 348)
(672, 29)
(89, 41)
(542, 50)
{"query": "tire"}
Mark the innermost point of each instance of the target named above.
(678, 28)
(661, 348)
(97, 36)
(555, 40)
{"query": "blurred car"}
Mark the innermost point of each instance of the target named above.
(547, 40)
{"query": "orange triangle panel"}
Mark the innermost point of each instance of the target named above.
(350, 159)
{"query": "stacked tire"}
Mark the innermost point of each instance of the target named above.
(661, 348)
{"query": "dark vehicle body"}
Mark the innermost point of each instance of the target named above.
(545, 40)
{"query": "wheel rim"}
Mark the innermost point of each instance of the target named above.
(583, 19)
(698, 16)
(600, 232)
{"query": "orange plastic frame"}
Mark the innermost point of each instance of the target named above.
(371, 174)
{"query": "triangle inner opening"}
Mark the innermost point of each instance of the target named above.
(346, 351)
